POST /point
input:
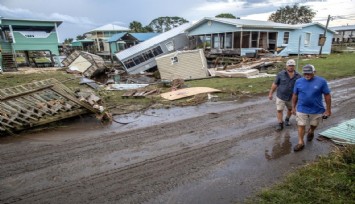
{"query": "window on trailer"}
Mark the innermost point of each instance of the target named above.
(286, 37)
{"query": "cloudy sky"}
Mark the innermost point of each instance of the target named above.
(80, 16)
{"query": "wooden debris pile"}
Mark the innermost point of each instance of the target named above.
(84, 62)
(38, 103)
(140, 93)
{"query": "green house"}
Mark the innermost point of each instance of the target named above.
(28, 42)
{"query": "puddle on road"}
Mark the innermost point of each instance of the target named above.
(253, 164)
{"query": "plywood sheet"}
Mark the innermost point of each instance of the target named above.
(182, 93)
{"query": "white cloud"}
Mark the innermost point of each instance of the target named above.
(24, 13)
(80, 21)
(5, 11)
(218, 6)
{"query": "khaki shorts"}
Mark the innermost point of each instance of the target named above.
(280, 104)
(313, 119)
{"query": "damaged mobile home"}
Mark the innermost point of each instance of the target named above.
(141, 57)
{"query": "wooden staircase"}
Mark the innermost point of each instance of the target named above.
(8, 62)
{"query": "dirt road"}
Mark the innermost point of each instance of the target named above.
(213, 153)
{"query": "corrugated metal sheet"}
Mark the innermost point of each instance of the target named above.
(190, 65)
(344, 133)
(151, 42)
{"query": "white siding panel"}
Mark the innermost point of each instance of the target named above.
(190, 65)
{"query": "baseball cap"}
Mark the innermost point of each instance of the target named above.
(308, 69)
(291, 62)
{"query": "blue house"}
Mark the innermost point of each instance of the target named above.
(243, 37)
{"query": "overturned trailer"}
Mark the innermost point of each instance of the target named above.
(38, 103)
(141, 57)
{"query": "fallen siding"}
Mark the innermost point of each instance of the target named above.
(190, 64)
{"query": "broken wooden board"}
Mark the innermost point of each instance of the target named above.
(119, 87)
(182, 93)
(38, 103)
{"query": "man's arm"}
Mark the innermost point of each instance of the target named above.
(272, 90)
(328, 104)
(294, 103)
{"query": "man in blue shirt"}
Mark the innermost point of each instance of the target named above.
(284, 83)
(307, 103)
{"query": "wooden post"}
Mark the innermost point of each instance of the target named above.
(325, 34)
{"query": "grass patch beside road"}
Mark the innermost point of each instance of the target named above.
(329, 180)
(333, 66)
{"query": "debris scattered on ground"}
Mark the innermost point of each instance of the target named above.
(84, 62)
(121, 87)
(139, 93)
(89, 82)
(240, 73)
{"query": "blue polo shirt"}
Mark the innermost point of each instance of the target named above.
(285, 85)
(310, 94)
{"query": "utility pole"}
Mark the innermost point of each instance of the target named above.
(324, 36)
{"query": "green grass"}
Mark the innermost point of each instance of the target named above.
(9, 80)
(328, 180)
(333, 66)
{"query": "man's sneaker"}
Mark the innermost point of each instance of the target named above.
(287, 122)
(280, 126)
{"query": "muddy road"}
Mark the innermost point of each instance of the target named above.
(218, 152)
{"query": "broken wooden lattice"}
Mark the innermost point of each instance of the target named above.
(38, 103)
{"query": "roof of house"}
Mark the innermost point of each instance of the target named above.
(152, 41)
(80, 42)
(144, 36)
(34, 20)
(245, 23)
(343, 28)
(110, 27)
(139, 36)
(116, 37)
(311, 24)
